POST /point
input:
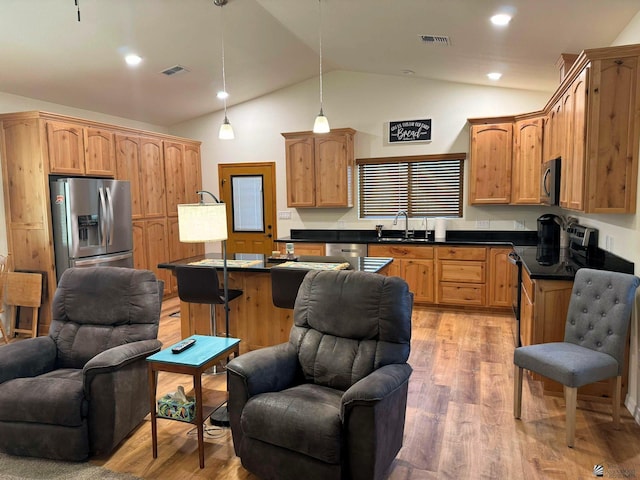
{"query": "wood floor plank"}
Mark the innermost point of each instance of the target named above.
(459, 422)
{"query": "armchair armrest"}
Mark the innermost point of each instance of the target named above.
(376, 386)
(117, 357)
(269, 369)
(27, 358)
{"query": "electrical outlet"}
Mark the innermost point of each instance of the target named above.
(518, 224)
(482, 224)
(608, 243)
(284, 215)
(340, 224)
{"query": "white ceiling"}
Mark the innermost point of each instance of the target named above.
(46, 54)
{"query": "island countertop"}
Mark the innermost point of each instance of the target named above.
(256, 262)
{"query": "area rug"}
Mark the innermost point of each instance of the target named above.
(27, 468)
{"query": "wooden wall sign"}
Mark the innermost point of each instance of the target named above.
(410, 131)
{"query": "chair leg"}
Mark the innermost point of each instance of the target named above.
(4, 333)
(617, 393)
(571, 396)
(517, 391)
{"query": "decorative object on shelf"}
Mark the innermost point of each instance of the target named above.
(410, 131)
(321, 124)
(226, 130)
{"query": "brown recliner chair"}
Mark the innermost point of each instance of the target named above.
(331, 402)
(84, 387)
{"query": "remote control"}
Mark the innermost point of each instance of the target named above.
(182, 346)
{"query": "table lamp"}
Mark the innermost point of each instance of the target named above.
(207, 222)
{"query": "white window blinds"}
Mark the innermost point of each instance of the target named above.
(421, 185)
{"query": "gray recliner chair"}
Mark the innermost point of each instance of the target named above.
(331, 402)
(81, 389)
(594, 341)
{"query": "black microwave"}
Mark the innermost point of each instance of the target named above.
(550, 182)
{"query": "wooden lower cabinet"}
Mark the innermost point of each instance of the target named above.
(412, 263)
(461, 276)
(499, 277)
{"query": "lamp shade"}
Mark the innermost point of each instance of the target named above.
(202, 222)
(321, 125)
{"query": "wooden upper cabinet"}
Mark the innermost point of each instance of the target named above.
(78, 150)
(152, 174)
(320, 168)
(173, 164)
(192, 173)
(301, 177)
(99, 153)
(527, 161)
(65, 143)
(491, 152)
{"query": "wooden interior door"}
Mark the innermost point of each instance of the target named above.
(248, 190)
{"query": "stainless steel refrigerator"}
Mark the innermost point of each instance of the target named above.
(91, 223)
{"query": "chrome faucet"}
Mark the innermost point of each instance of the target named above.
(406, 222)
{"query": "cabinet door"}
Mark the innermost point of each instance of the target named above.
(175, 181)
(527, 162)
(139, 246)
(491, 149)
(191, 169)
(152, 174)
(66, 148)
(499, 277)
(157, 246)
(301, 188)
(128, 168)
(99, 155)
(419, 275)
(334, 171)
(572, 176)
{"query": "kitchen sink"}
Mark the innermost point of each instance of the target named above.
(403, 240)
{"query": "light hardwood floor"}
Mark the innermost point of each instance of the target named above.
(459, 422)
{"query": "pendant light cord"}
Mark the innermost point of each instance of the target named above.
(320, 35)
(224, 77)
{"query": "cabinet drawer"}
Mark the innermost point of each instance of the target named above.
(400, 251)
(461, 294)
(462, 253)
(461, 272)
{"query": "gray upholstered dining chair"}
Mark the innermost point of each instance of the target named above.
(331, 402)
(83, 387)
(594, 341)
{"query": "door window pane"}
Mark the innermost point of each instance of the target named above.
(247, 203)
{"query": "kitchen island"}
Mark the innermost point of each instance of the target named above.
(252, 316)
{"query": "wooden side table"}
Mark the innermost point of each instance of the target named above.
(193, 361)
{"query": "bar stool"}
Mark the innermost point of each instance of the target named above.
(285, 283)
(201, 285)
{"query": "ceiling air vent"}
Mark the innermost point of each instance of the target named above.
(435, 40)
(174, 70)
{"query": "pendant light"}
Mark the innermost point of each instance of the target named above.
(226, 130)
(321, 125)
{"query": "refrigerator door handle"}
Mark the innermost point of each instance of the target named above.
(103, 217)
(93, 261)
(111, 222)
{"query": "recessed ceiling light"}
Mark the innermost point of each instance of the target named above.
(494, 75)
(132, 59)
(407, 72)
(222, 95)
(501, 19)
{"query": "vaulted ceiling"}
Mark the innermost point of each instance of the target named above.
(47, 54)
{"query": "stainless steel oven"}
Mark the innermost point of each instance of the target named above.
(516, 292)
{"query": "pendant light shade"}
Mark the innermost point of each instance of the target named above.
(321, 125)
(226, 130)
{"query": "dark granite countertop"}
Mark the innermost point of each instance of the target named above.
(458, 237)
(260, 263)
(562, 264)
